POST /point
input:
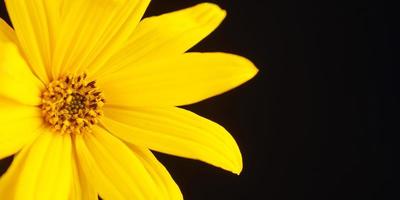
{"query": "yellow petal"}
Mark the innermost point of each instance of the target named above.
(92, 31)
(169, 34)
(6, 32)
(10, 178)
(166, 185)
(175, 131)
(16, 79)
(41, 171)
(177, 81)
(35, 24)
(111, 167)
(80, 188)
(19, 126)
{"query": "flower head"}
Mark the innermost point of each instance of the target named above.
(87, 88)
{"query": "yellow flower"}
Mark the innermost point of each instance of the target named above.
(87, 88)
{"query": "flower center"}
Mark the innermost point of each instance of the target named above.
(72, 105)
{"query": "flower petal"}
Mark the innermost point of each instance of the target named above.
(177, 81)
(80, 188)
(16, 79)
(175, 131)
(6, 32)
(92, 30)
(111, 167)
(41, 171)
(168, 34)
(166, 185)
(19, 126)
(35, 26)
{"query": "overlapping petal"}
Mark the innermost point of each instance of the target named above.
(17, 82)
(112, 168)
(167, 35)
(80, 186)
(6, 32)
(165, 184)
(19, 88)
(177, 81)
(19, 126)
(92, 30)
(35, 24)
(175, 131)
(42, 171)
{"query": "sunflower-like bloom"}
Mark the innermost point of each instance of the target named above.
(87, 88)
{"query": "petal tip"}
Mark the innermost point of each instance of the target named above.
(247, 70)
(238, 165)
(238, 169)
(252, 70)
(212, 8)
(210, 5)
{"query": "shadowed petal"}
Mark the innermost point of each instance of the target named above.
(19, 126)
(80, 188)
(35, 24)
(92, 30)
(41, 171)
(112, 168)
(6, 32)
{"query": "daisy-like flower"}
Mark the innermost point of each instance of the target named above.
(87, 88)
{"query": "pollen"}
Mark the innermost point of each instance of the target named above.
(71, 104)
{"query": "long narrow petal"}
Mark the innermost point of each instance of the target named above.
(166, 185)
(41, 171)
(16, 79)
(92, 31)
(175, 131)
(81, 188)
(181, 80)
(19, 126)
(167, 35)
(35, 26)
(111, 167)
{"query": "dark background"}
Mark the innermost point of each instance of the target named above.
(319, 120)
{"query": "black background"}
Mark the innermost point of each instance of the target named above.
(319, 120)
